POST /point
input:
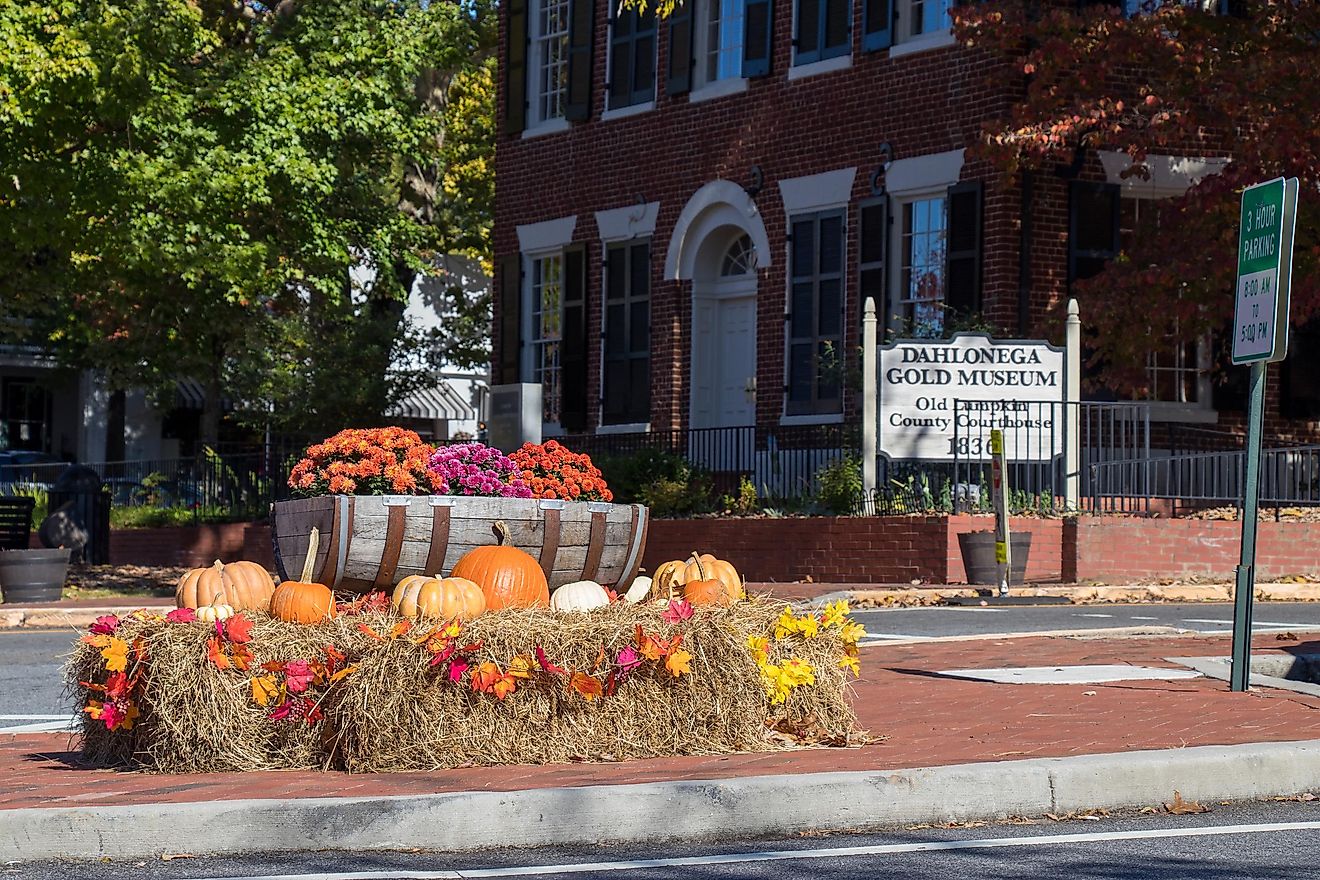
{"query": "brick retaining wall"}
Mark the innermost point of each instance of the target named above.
(893, 550)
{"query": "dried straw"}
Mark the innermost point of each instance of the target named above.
(399, 713)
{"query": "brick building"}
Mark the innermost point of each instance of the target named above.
(691, 211)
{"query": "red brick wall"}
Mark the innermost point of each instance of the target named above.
(828, 549)
(1112, 550)
(193, 545)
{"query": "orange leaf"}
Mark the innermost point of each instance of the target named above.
(343, 673)
(588, 686)
(485, 676)
(116, 655)
(241, 656)
(216, 655)
(100, 640)
(653, 648)
(402, 628)
(239, 629)
(371, 632)
(600, 658)
(678, 663)
(505, 686)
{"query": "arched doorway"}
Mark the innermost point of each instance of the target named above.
(723, 376)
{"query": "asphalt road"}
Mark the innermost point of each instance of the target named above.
(31, 687)
(1260, 841)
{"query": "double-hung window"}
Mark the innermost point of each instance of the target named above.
(815, 315)
(719, 41)
(632, 57)
(544, 329)
(822, 30)
(919, 293)
(626, 368)
(549, 59)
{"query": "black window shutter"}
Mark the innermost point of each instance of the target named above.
(873, 257)
(758, 37)
(515, 70)
(573, 353)
(962, 271)
(510, 320)
(581, 40)
(679, 79)
(877, 25)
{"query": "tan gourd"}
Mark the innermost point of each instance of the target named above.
(244, 585)
(444, 598)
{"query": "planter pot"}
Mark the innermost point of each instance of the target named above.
(978, 555)
(371, 542)
(33, 575)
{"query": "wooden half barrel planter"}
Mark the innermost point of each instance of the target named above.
(371, 542)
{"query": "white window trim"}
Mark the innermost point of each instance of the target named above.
(918, 175)
(817, 192)
(941, 39)
(821, 419)
(632, 221)
(1169, 175)
(630, 110)
(539, 239)
(829, 65)
(635, 428)
(550, 126)
(720, 88)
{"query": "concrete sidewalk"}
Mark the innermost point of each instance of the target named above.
(955, 750)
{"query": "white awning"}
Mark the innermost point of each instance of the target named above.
(437, 402)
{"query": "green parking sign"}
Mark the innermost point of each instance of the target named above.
(1264, 275)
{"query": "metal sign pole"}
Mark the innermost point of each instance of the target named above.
(1245, 589)
(999, 483)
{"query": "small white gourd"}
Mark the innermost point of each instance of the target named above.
(212, 613)
(640, 589)
(579, 596)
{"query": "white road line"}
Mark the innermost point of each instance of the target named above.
(33, 717)
(1093, 615)
(795, 855)
(1144, 618)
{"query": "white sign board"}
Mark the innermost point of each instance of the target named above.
(1013, 385)
(1264, 276)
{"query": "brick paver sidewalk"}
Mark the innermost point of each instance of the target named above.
(929, 721)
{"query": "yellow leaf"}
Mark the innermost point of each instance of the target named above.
(520, 667)
(116, 655)
(264, 689)
(678, 663)
(343, 673)
(851, 663)
(130, 714)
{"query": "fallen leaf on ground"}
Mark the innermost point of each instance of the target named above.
(1180, 807)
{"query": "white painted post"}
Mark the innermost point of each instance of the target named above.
(1072, 440)
(869, 402)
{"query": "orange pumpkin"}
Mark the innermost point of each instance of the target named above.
(302, 601)
(244, 585)
(710, 581)
(508, 577)
(668, 580)
(446, 598)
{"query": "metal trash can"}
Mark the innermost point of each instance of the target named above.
(79, 516)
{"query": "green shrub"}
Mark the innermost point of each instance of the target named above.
(664, 481)
(745, 503)
(840, 485)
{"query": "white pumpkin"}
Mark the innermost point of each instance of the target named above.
(579, 596)
(640, 589)
(211, 613)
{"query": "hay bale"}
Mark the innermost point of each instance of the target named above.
(398, 712)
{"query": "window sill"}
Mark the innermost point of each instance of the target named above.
(630, 110)
(720, 88)
(829, 65)
(812, 419)
(550, 126)
(1187, 413)
(924, 43)
(631, 428)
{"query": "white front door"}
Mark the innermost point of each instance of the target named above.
(724, 354)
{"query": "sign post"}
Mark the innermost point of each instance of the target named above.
(999, 486)
(1260, 337)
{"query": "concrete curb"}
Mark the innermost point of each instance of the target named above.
(688, 810)
(64, 618)
(1084, 595)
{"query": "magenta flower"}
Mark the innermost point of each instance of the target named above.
(477, 469)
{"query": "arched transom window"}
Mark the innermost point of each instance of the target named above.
(740, 258)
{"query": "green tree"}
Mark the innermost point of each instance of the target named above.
(185, 186)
